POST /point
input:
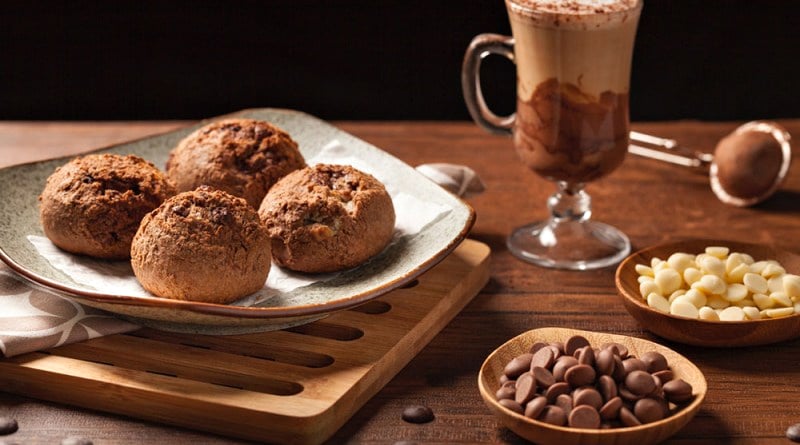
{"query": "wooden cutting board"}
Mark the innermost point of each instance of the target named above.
(297, 385)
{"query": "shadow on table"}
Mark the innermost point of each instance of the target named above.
(783, 201)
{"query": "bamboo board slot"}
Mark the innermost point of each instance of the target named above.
(297, 385)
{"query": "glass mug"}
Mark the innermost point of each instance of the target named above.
(571, 125)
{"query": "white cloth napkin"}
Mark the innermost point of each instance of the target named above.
(33, 319)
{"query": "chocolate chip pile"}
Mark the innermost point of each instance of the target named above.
(574, 384)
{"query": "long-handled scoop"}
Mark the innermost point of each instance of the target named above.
(746, 168)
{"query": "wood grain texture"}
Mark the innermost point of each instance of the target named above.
(650, 201)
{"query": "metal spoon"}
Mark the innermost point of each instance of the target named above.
(739, 164)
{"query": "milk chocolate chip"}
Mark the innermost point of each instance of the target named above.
(648, 410)
(591, 388)
(640, 383)
(518, 365)
(678, 391)
(554, 415)
(543, 358)
(584, 416)
(654, 362)
(574, 343)
(525, 388)
(535, 407)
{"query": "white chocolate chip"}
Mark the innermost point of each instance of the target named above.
(751, 312)
(649, 287)
(763, 301)
(780, 299)
(655, 261)
(712, 265)
(680, 261)
(661, 266)
(755, 283)
(658, 303)
(772, 269)
(683, 309)
(718, 251)
(711, 284)
(791, 285)
(732, 313)
(692, 275)
(676, 294)
(643, 278)
(737, 274)
(733, 261)
(736, 292)
(717, 302)
(668, 280)
(706, 313)
(758, 266)
(694, 296)
(641, 269)
(779, 312)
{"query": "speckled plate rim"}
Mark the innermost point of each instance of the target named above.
(644, 255)
(455, 232)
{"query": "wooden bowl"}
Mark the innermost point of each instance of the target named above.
(544, 433)
(701, 332)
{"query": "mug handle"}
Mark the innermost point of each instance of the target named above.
(481, 46)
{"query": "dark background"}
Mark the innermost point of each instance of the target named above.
(358, 59)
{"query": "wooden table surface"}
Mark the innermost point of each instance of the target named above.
(753, 392)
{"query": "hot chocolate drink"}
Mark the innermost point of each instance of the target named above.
(573, 62)
(571, 126)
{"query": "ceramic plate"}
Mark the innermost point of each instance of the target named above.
(411, 253)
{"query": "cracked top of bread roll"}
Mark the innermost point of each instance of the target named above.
(327, 218)
(203, 245)
(93, 204)
(243, 157)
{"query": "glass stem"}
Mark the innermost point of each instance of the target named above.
(570, 203)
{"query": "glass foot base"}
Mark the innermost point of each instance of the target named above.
(576, 245)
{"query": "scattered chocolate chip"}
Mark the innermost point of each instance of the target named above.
(793, 432)
(8, 426)
(419, 414)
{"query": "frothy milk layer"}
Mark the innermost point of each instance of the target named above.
(594, 58)
(579, 14)
(573, 62)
